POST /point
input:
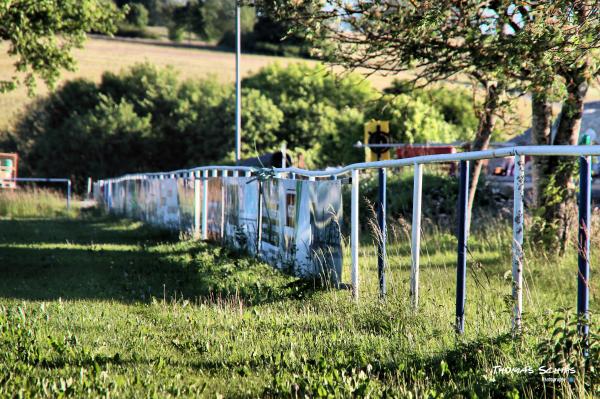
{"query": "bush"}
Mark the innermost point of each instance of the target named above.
(175, 33)
(137, 15)
(321, 111)
(139, 120)
(146, 119)
(413, 120)
(454, 105)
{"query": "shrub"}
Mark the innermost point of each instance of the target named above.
(139, 120)
(146, 119)
(321, 111)
(127, 30)
(412, 120)
(137, 15)
(454, 105)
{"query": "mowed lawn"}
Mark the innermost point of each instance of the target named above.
(97, 307)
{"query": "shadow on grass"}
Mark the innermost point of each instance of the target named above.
(108, 259)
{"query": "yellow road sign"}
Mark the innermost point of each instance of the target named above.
(377, 132)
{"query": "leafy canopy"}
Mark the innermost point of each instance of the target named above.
(42, 33)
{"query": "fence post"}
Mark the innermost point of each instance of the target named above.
(68, 195)
(89, 188)
(381, 241)
(583, 261)
(224, 173)
(197, 204)
(517, 244)
(354, 227)
(416, 235)
(205, 204)
(461, 263)
(260, 216)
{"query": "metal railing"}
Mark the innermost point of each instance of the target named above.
(583, 273)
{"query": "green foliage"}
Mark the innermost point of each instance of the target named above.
(135, 23)
(137, 15)
(32, 28)
(212, 20)
(187, 17)
(139, 120)
(455, 105)
(127, 30)
(263, 34)
(219, 17)
(157, 9)
(145, 119)
(320, 111)
(565, 349)
(413, 120)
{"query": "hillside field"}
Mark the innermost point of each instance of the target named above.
(100, 55)
(103, 54)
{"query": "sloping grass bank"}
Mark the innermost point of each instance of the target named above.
(98, 307)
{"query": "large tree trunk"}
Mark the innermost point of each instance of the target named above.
(557, 193)
(541, 130)
(487, 121)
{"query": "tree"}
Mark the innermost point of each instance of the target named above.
(220, 18)
(141, 119)
(572, 40)
(502, 45)
(41, 35)
(137, 15)
(435, 40)
(313, 100)
(550, 50)
(209, 19)
(188, 17)
(156, 9)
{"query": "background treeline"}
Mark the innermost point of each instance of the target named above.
(212, 21)
(145, 119)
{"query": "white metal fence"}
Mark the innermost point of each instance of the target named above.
(192, 190)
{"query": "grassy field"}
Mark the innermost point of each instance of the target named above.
(100, 55)
(97, 307)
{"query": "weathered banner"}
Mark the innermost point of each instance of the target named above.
(291, 224)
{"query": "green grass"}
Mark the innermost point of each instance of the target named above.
(97, 307)
(35, 203)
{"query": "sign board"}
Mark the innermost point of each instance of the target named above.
(8, 170)
(377, 132)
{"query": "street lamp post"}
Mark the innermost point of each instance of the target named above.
(238, 86)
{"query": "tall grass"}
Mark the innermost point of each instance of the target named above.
(104, 307)
(35, 203)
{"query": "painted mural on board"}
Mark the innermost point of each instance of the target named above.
(325, 218)
(215, 208)
(301, 226)
(299, 220)
(241, 213)
(185, 193)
